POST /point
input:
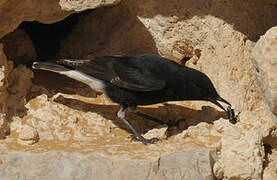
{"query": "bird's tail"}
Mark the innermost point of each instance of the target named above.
(47, 66)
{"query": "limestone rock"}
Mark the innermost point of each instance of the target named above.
(43, 11)
(4, 128)
(218, 170)
(20, 82)
(218, 37)
(270, 171)
(4, 70)
(28, 135)
(18, 46)
(265, 56)
(82, 5)
(158, 132)
(185, 165)
(194, 165)
(53, 120)
(241, 154)
(176, 30)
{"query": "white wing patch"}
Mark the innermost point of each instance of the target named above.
(95, 84)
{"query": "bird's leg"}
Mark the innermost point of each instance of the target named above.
(121, 115)
(134, 111)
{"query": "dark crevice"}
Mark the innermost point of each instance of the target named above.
(47, 37)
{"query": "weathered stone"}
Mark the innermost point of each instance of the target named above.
(82, 5)
(42, 11)
(265, 56)
(194, 165)
(270, 171)
(185, 165)
(20, 82)
(218, 170)
(4, 70)
(217, 35)
(27, 135)
(18, 46)
(158, 132)
(241, 153)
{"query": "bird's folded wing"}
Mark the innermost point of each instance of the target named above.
(130, 76)
(136, 78)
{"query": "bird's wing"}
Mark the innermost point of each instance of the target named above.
(120, 72)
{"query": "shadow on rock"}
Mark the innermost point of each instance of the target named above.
(183, 117)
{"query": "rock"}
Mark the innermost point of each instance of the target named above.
(103, 41)
(65, 165)
(202, 133)
(185, 165)
(20, 82)
(4, 70)
(19, 46)
(169, 30)
(218, 170)
(265, 57)
(157, 132)
(28, 135)
(4, 127)
(42, 11)
(241, 153)
(82, 5)
(270, 171)
(216, 35)
(57, 121)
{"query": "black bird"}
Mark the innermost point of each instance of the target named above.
(139, 80)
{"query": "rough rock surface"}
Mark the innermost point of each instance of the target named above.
(13, 12)
(82, 5)
(4, 70)
(27, 135)
(20, 82)
(220, 44)
(241, 152)
(219, 37)
(65, 165)
(18, 46)
(265, 55)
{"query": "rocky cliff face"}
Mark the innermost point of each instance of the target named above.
(46, 115)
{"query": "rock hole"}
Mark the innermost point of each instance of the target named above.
(47, 37)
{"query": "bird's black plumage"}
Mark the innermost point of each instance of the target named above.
(143, 80)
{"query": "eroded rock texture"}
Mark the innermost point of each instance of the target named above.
(18, 46)
(52, 112)
(265, 55)
(13, 12)
(64, 165)
(4, 129)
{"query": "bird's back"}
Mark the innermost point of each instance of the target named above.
(146, 79)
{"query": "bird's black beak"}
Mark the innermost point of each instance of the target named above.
(230, 112)
(223, 100)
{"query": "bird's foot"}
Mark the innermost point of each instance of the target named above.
(145, 141)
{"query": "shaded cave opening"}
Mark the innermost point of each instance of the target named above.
(48, 37)
(33, 40)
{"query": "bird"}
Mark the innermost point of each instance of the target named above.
(143, 79)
